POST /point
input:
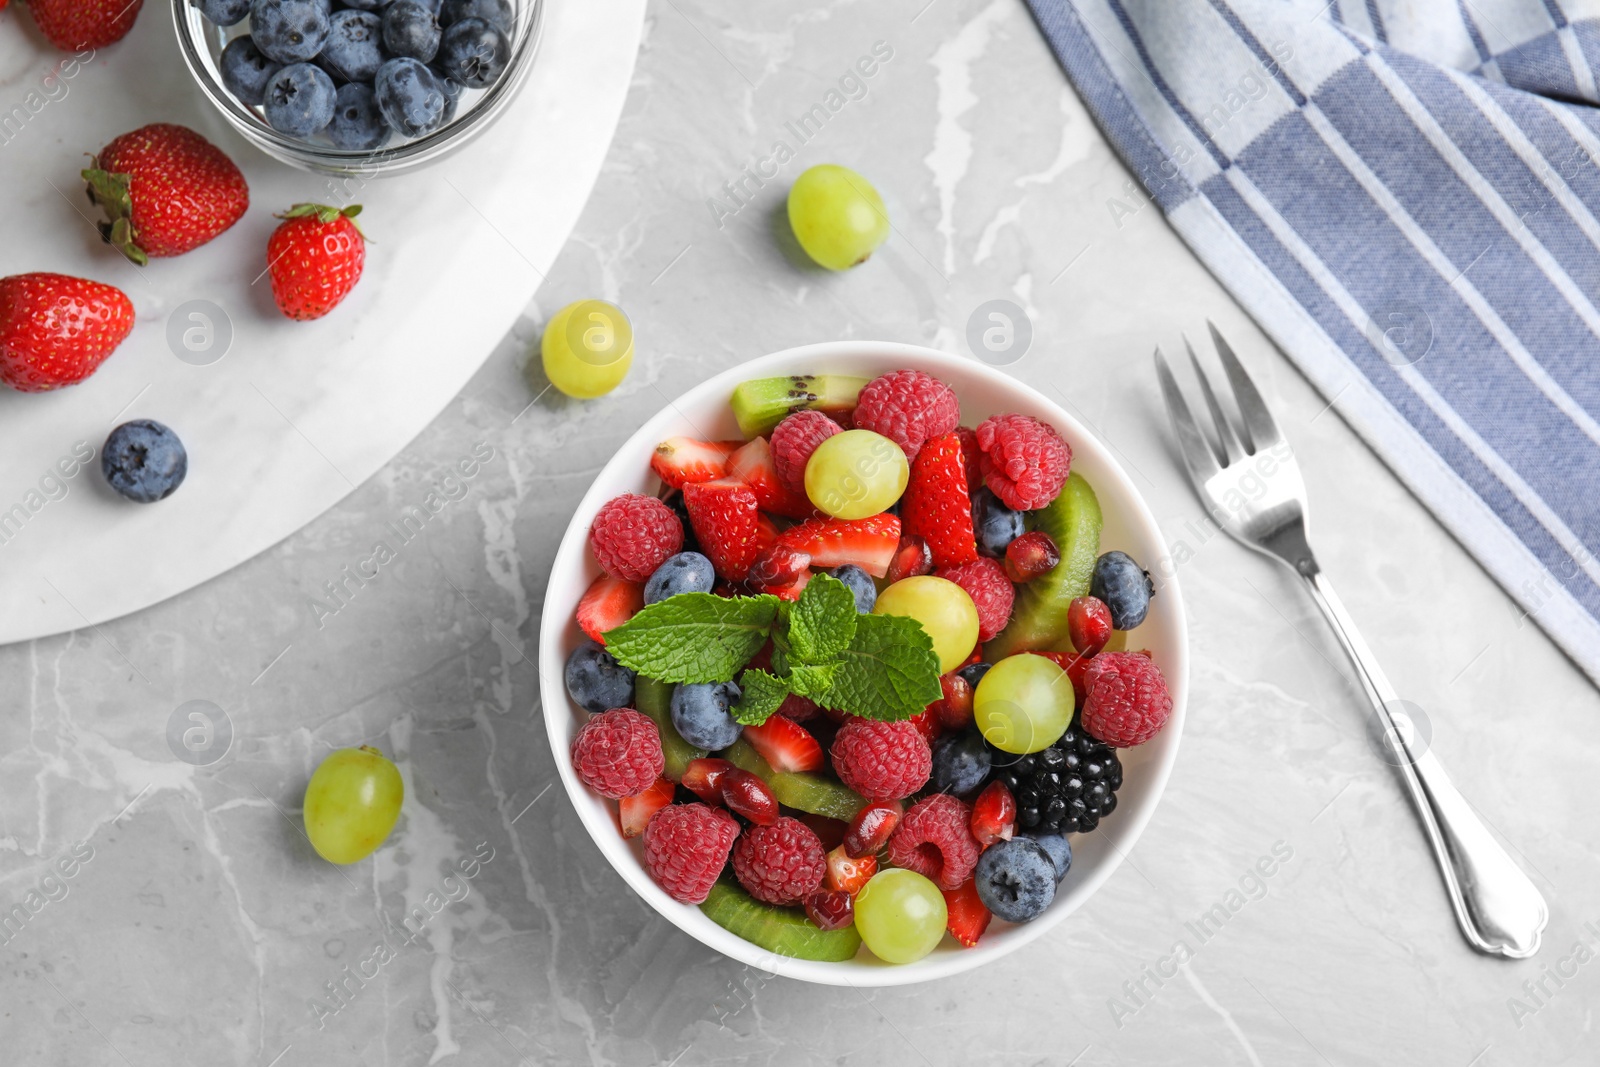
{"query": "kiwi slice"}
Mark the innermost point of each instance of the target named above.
(784, 931)
(654, 699)
(1039, 619)
(798, 789)
(761, 403)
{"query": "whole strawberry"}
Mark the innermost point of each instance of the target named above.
(165, 190)
(315, 258)
(74, 25)
(55, 330)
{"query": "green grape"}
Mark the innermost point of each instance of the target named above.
(943, 608)
(352, 803)
(900, 915)
(837, 216)
(1023, 704)
(587, 348)
(856, 473)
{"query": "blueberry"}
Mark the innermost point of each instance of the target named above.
(497, 13)
(246, 70)
(700, 712)
(290, 31)
(300, 100)
(974, 673)
(357, 123)
(960, 763)
(410, 29)
(353, 50)
(1058, 849)
(366, 5)
(995, 524)
(452, 99)
(474, 53)
(860, 583)
(411, 97)
(144, 461)
(595, 681)
(1125, 587)
(687, 572)
(1016, 879)
(224, 12)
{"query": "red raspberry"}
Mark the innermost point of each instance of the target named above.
(793, 441)
(632, 535)
(1024, 461)
(1126, 701)
(908, 407)
(991, 591)
(618, 753)
(686, 847)
(934, 839)
(781, 863)
(797, 708)
(881, 760)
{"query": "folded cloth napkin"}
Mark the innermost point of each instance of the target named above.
(1405, 195)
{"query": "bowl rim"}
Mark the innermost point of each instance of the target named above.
(327, 159)
(556, 705)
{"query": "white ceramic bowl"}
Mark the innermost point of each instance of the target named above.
(984, 391)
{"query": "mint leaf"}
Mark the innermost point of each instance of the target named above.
(693, 637)
(822, 621)
(889, 672)
(761, 694)
(812, 681)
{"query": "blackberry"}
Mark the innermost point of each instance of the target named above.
(1064, 789)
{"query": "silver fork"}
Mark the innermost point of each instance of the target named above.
(1249, 481)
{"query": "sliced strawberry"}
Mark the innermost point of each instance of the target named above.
(785, 744)
(793, 590)
(936, 506)
(994, 815)
(609, 603)
(703, 778)
(727, 523)
(846, 873)
(753, 465)
(635, 811)
(776, 567)
(911, 558)
(969, 457)
(868, 543)
(679, 461)
(968, 918)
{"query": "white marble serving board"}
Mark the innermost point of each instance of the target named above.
(294, 415)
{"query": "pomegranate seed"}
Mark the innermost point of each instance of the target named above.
(911, 558)
(1088, 624)
(703, 777)
(955, 707)
(927, 723)
(775, 568)
(749, 796)
(848, 873)
(994, 815)
(830, 909)
(870, 829)
(1031, 555)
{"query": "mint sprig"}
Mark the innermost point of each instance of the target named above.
(875, 666)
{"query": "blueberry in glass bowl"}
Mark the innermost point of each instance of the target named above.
(374, 87)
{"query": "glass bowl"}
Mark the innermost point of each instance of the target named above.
(202, 42)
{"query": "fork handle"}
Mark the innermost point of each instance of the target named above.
(1500, 911)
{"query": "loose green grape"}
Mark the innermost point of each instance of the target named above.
(1023, 704)
(587, 348)
(943, 608)
(856, 473)
(352, 803)
(900, 915)
(837, 216)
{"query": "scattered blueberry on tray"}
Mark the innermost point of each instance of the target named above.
(354, 76)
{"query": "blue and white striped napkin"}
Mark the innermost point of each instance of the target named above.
(1405, 194)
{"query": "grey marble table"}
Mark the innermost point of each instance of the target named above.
(196, 926)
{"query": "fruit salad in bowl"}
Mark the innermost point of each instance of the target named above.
(854, 667)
